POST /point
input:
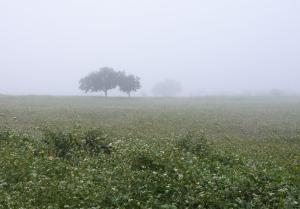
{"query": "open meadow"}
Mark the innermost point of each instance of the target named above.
(206, 152)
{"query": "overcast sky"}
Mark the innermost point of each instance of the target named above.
(210, 46)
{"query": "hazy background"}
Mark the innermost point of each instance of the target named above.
(211, 47)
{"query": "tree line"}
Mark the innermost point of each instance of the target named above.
(106, 79)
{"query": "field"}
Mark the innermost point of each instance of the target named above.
(207, 152)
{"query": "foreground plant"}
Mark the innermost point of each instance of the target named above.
(89, 169)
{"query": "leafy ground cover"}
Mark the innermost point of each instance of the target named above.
(86, 152)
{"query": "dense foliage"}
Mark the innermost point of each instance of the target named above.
(148, 162)
(106, 79)
(128, 83)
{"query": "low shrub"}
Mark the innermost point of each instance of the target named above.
(194, 143)
(64, 144)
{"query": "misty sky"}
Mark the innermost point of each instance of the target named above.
(211, 46)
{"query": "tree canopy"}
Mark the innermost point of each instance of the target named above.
(106, 79)
(128, 83)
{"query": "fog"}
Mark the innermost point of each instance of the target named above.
(210, 47)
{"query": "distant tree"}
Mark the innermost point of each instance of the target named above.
(167, 88)
(128, 83)
(103, 80)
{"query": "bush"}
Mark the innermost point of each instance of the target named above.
(95, 142)
(196, 144)
(142, 161)
(64, 144)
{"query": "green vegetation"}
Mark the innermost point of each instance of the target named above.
(91, 152)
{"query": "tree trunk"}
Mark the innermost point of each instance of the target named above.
(105, 93)
(128, 93)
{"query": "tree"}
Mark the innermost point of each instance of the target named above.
(128, 83)
(103, 80)
(167, 88)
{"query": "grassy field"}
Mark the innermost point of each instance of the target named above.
(91, 152)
